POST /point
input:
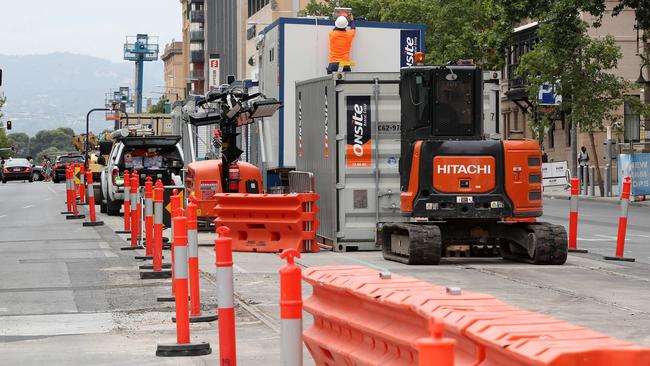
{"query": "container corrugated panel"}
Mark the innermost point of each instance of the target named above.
(355, 162)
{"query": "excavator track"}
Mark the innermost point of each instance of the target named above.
(549, 243)
(411, 243)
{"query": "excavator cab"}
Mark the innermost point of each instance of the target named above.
(461, 193)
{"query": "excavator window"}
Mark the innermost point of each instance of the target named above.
(454, 104)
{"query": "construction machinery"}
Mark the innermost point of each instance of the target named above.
(230, 109)
(463, 192)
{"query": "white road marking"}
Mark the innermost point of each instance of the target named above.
(28, 206)
(605, 236)
(51, 190)
(641, 236)
(1, 216)
(56, 324)
(49, 199)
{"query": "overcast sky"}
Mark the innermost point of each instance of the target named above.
(88, 27)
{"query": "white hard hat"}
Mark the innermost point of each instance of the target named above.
(341, 22)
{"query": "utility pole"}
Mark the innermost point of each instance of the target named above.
(574, 148)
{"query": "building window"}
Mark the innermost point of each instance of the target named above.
(256, 5)
(551, 136)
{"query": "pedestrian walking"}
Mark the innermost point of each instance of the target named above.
(583, 160)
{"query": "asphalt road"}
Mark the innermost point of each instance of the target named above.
(598, 225)
(69, 296)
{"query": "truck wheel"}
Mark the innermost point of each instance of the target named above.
(112, 207)
(102, 205)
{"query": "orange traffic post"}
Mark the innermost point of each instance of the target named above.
(148, 220)
(175, 203)
(82, 184)
(68, 199)
(126, 203)
(91, 202)
(183, 347)
(225, 297)
(75, 210)
(196, 316)
(135, 212)
(290, 310)
(622, 223)
(157, 265)
(573, 217)
(436, 350)
(76, 186)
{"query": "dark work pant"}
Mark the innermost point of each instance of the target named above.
(334, 67)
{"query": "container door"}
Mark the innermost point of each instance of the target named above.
(368, 154)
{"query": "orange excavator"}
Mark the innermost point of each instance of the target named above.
(458, 188)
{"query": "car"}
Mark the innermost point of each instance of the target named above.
(37, 173)
(58, 171)
(17, 169)
(155, 156)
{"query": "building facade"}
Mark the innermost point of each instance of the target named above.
(516, 109)
(175, 76)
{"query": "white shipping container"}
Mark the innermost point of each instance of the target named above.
(296, 49)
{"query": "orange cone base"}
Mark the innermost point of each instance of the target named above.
(82, 204)
(75, 217)
(203, 318)
(183, 350)
(623, 259)
(150, 266)
(96, 223)
(578, 251)
(122, 231)
(168, 299)
(151, 275)
(143, 257)
(66, 212)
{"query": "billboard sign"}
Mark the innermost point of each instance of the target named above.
(359, 139)
(548, 96)
(555, 174)
(637, 167)
(213, 76)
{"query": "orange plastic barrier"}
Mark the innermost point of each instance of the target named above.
(363, 319)
(269, 222)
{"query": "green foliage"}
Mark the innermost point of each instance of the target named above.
(21, 141)
(159, 107)
(51, 142)
(459, 29)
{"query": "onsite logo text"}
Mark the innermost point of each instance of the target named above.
(357, 117)
(409, 50)
(463, 169)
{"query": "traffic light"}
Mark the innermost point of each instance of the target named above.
(13, 148)
(9, 125)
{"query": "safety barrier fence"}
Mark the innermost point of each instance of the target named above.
(365, 317)
(269, 222)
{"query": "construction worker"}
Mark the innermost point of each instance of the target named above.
(341, 43)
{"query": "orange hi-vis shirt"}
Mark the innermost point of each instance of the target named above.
(340, 45)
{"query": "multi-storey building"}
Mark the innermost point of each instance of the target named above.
(175, 76)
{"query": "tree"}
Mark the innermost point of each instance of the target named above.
(21, 141)
(578, 66)
(160, 106)
(459, 29)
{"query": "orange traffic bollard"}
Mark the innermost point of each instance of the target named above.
(157, 265)
(290, 310)
(82, 184)
(573, 217)
(148, 220)
(183, 347)
(135, 212)
(225, 298)
(435, 350)
(91, 202)
(75, 210)
(175, 204)
(68, 199)
(126, 203)
(193, 245)
(622, 223)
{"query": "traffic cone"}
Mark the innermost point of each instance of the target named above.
(91, 202)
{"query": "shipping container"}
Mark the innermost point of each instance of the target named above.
(297, 49)
(348, 135)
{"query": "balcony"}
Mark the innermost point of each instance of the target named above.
(196, 57)
(196, 36)
(197, 16)
(523, 41)
(195, 1)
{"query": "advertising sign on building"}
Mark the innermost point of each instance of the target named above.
(409, 42)
(548, 96)
(637, 167)
(213, 75)
(359, 140)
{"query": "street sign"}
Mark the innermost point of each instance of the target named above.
(213, 73)
(548, 96)
(637, 167)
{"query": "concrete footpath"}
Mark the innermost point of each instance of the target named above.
(563, 193)
(71, 297)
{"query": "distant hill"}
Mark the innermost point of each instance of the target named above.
(58, 89)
